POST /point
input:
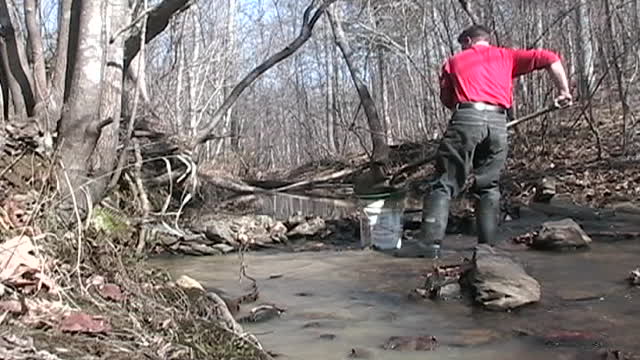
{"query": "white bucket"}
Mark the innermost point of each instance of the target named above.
(381, 223)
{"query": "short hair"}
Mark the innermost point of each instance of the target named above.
(475, 32)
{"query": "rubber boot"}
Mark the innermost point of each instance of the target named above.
(487, 213)
(435, 215)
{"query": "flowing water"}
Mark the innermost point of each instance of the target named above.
(340, 300)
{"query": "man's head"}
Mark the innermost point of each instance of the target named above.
(474, 34)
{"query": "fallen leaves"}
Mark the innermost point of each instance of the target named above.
(111, 292)
(79, 322)
(14, 307)
(21, 267)
(16, 211)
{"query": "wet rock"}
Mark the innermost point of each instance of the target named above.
(204, 250)
(564, 338)
(559, 235)
(278, 232)
(634, 277)
(239, 230)
(313, 325)
(473, 337)
(187, 282)
(580, 295)
(360, 353)
(411, 343)
(224, 248)
(295, 220)
(308, 228)
(545, 189)
(450, 291)
(572, 338)
(499, 282)
(263, 313)
(217, 231)
(195, 249)
(626, 207)
(605, 354)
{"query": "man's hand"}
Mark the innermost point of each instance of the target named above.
(563, 100)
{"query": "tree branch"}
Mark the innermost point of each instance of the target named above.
(467, 9)
(157, 20)
(378, 137)
(309, 22)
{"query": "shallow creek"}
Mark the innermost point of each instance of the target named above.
(340, 300)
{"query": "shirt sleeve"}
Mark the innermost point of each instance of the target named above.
(446, 87)
(526, 61)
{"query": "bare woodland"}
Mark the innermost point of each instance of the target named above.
(248, 87)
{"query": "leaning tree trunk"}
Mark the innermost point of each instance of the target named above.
(378, 138)
(80, 125)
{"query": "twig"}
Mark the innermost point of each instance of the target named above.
(167, 202)
(144, 199)
(13, 163)
(136, 100)
(76, 211)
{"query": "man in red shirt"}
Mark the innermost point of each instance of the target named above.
(476, 84)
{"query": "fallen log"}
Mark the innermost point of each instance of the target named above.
(333, 176)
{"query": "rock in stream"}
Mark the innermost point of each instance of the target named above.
(411, 343)
(499, 282)
(561, 235)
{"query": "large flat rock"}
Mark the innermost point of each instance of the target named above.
(501, 283)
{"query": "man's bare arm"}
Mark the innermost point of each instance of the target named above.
(559, 77)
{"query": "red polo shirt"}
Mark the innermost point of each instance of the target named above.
(485, 73)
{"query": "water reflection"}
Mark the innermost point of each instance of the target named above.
(282, 205)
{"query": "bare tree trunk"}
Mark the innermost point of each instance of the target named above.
(80, 126)
(5, 89)
(585, 51)
(58, 79)
(378, 139)
(618, 72)
(15, 92)
(330, 96)
(384, 96)
(37, 58)
(17, 71)
(104, 158)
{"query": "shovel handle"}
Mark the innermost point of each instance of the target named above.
(546, 110)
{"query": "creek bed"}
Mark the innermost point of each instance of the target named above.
(337, 301)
